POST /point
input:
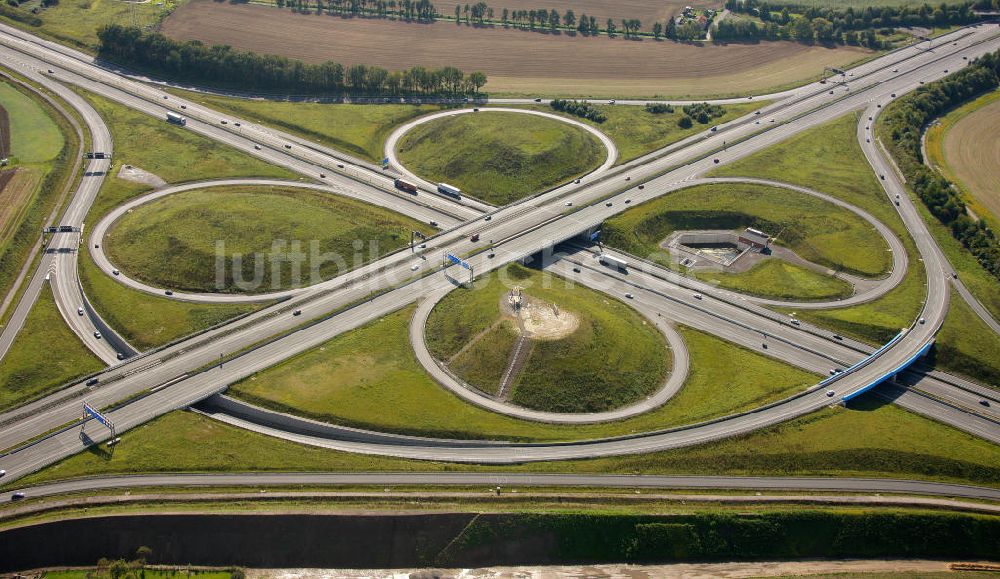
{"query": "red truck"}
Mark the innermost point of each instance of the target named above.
(404, 186)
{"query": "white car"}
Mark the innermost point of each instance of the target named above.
(697, 296)
(97, 335)
(79, 310)
(2, 472)
(415, 267)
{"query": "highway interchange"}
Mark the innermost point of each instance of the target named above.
(185, 373)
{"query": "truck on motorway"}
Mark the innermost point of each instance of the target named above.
(613, 262)
(404, 186)
(449, 190)
(176, 119)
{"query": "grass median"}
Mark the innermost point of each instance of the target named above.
(871, 439)
(499, 157)
(45, 355)
(356, 129)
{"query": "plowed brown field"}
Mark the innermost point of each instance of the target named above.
(517, 62)
(972, 152)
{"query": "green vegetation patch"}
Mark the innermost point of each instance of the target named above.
(359, 130)
(586, 369)
(354, 377)
(76, 22)
(637, 131)
(147, 321)
(871, 439)
(815, 229)
(780, 279)
(966, 345)
(45, 354)
(179, 155)
(309, 235)
(34, 136)
(500, 157)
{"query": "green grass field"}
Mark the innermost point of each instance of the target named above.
(44, 145)
(75, 22)
(34, 136)
(354, 377)
(148, 321)
(816, 230)
(585, 371)
(968, 346)
(179, 155)
(499, 157)
(780, 279)
(171, 242)
(45, 354)
(359, 130)
(637, 132)
(146, 574)
(869, 440)
(827, 159)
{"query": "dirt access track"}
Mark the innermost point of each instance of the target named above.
(516, 61)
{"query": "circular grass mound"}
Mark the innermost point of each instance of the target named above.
(583, 351)
(272, 238)
(500, 157)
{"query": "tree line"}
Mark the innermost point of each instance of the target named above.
(905, 121)
(223, 65)
(580, 109)
(826, 24)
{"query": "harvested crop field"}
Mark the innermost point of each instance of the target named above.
(972, 153)
(516, 61)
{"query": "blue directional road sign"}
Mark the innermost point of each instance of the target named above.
(454, 259)
(91, 411)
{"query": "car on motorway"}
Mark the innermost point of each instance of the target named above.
(120, 355)
(576, 270)
(297, 313)
(922, 320)
(538, 100)
(17, 496)
(985, 402)
(697, 296)
(474, 238)
(164, 97)
(838, 337)
(608, 204)
(577, 181)
(629, 296)
(51, 71)
(716, 161)
(237, 124)
(434, 223)
(612, 101)
(2, 472)
(628, 177)
(627, 201)
(79, 311)
(642, 186)
(795, 322)
(895, 70)
(169, 293)
(322, 175)
(225, 122)
(287, 146)
(184, 106)
(93, 381)
(569, 204)
(115, 272)
(415, 267)
(257, 147)
(830, 393)
(488, 218)
(97, 335)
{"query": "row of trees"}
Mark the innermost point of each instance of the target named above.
(217, 64)
(421, 10)
(828, 24)
(799, 28)
(580, 109)
(905, 121)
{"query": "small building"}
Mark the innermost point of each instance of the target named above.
(754, 239)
